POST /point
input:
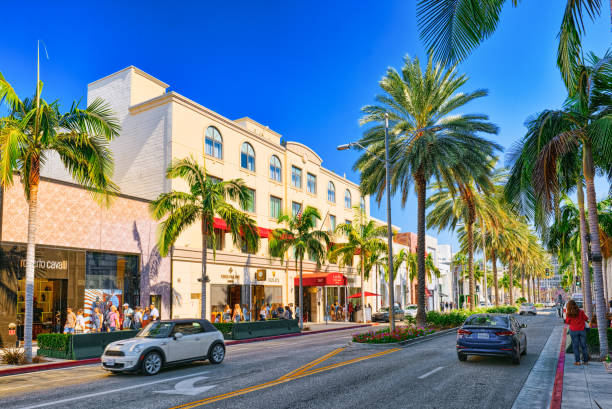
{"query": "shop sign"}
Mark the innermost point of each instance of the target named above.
(47, 264)
(260, 275)
(230, 277)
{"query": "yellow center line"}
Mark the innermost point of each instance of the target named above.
(279, 381)
(313, 363)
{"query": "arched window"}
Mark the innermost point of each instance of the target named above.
(347, 199)
(275, 168)
(362, 204)
(247, 157)
(331, 192)
(214, 142)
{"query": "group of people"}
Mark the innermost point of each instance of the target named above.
(447, 306)
(266, 312)
(105, 317)
(338, 312)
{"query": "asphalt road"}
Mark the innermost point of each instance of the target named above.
(425, 375)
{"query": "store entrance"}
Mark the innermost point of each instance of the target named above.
(49, 306)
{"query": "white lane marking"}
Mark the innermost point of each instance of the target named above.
(187, 387)
(56, 402)
(433, 371)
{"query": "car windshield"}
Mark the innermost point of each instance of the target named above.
(156, 330)
(487, 321)
(527, 304)
(411, 307)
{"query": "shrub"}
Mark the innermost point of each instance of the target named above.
(224, 327)
(539, 305)
(385, 336)
(455, 318)
(12, 356)
(54, 342)
(593, 339)
(520, 300)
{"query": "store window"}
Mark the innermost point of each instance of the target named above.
(250, 205)
(247, 157)
(275, 207)
(348, 203)
(214, 143)
(296, 177)
(219, 238)
(275, 168)
(296, 208)
(331, 192)
(311, 183)
(332, 222)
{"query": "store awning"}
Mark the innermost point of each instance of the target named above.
(220, 224)
(321, 279)
(367, 294)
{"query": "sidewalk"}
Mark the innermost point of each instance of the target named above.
(586, 386)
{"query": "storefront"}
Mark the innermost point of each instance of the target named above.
(325, 295)
(63, 278)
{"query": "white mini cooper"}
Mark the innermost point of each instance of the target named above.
(163, 343)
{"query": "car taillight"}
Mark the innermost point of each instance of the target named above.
(504, 333)
(463, 332)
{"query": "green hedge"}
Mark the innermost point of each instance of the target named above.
(56, 342)
(225, 327)
(455, 318)
(593, 339)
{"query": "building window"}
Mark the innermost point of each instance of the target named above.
(362, 204)
(331, 192)
(247, 157)
(348, 222)
(347, 199)
(219, 237)
(296, 177)
(296, 208)
(275, 207)
(275, 168)
(214, 179)
(311, 183)
(214, 143)
(250, 205)
(332, 222)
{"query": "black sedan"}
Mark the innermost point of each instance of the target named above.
(492, 335)
(383, 315)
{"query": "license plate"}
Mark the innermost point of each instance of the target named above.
(109, 362)
(483, 335)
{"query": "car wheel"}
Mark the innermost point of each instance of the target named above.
(152, 363)
(462, 357)
(216, 353)
(516, 358)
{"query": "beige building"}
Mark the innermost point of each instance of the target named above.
(284, 176)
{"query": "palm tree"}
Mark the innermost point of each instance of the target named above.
(459, 261)
(427, 139)
(583, 125)
(363, 237)
(301, 236)
(451, 29)
(204, 199)
(31, 134)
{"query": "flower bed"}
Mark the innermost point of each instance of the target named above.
(455, 318)
(385, 336)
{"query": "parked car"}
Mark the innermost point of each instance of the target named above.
(164, 343)
(492, 335)
(527, 308)
(383, 314)
(550, 304)
(410, 310)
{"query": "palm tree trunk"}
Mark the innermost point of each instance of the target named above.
(301, 301)
(511, 281)
(584, 262)
(495, 284)
(574, 278)
(29, 277)
(538, 287)
(589, 172)
(470, 233)
(363, 315)
(529, 298)
(204, 265)
(523, 282)
(484, 265)
(421, 318)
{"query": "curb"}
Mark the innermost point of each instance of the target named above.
(297, 334)
(44, 367)
(557, 394)
(405, 343)
(68, 364)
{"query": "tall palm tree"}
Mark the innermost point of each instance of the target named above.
(35, 130)
(583, 126)
(428, 139)
(451, 29)
(204, 199)
(459, 261)
(300, 235)
(363, 237)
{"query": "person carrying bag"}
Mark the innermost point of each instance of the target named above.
(577, 319)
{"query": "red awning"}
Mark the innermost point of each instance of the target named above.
(367, 294)
(220, 224)
(321, 279)
(264, 233)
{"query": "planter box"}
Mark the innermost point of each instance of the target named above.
(84, 346)
(258, 329)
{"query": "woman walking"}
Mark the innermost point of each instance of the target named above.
(576, 319)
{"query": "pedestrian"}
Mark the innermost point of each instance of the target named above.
(70, 321)
(245, 313)
(137, 318)
(288, 315)
(237, 315)
(113, 319)
(146, 317)
(227, 314)
(576, 319)
(262, 313)
(559, 306)
(96, 320)
(297, 311)
(154, 313)
(593, 323)
(128, 317)
(79, 326)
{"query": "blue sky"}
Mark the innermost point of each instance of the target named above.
(304, 69)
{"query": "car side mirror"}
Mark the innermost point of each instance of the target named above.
(523, 325)
(178, 335)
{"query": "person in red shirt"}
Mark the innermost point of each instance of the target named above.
(576, 318)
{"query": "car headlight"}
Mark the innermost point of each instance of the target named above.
(136, 349)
